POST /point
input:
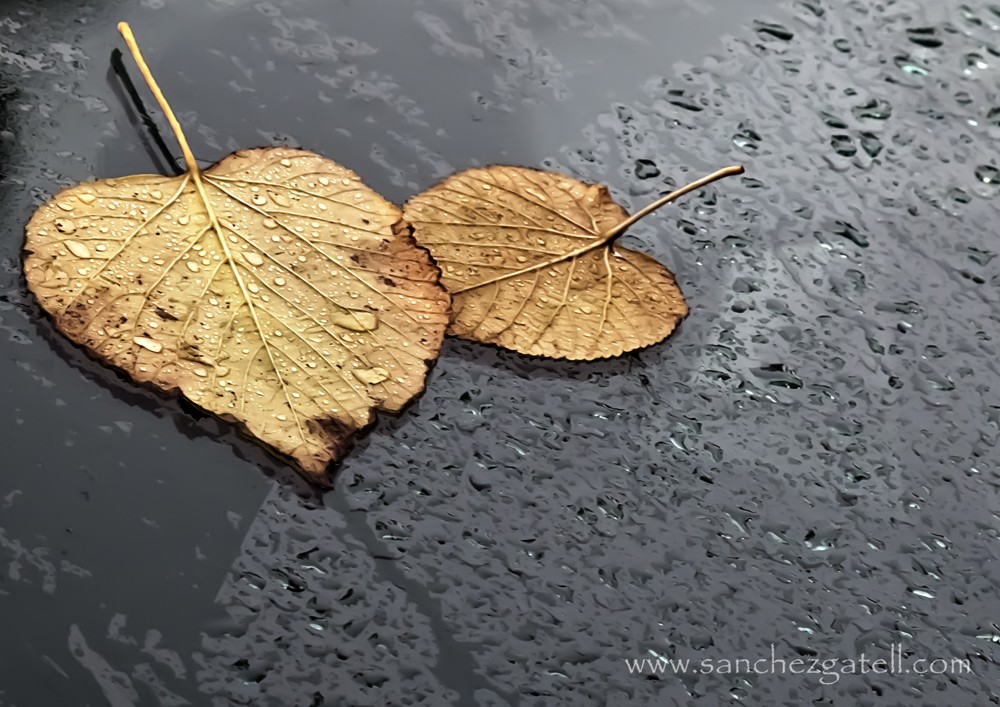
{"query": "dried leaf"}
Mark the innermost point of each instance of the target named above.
(273, 289)
(530, 259)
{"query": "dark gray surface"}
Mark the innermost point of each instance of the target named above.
(808, 463)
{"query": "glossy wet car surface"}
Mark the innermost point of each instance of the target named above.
(808, 464)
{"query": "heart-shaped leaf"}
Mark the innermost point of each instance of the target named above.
(530, 259)
(273, 289)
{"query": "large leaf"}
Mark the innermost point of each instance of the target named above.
(273, 289)
(530, 259)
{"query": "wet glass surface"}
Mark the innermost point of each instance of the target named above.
(808, 463)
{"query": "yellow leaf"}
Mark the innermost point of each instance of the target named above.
(273, 289)
(530, 259)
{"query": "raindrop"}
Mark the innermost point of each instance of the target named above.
(371, 376)
(65, 225)
(843, 145)
(254, 259)
(146, 343)
(646, 169)
(778, 375)
(875, 109)
(78, 249)
(906, 66)
(975, 61)
(747, 138)
(924, 36)
(355, 321)
(988, 174)
(773, 29)
(871, 144)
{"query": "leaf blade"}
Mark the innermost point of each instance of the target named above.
(202, 292)
(535, 288)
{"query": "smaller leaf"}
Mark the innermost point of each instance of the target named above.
(530, 259)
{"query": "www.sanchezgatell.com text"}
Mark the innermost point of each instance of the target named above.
(829, 670)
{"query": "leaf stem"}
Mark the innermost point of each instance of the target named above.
(133, 47)
(672, 196)
(610, 235)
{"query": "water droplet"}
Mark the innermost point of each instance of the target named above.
(843, 145)
(355, 321)
(259, 199)
(279, 281)
(253, 259)
(993, 117)
(200, 372)
(253, 287)
(86, 198)
(184, 220)
(270, 223)
(875, 109)
(146, 343)
(924, 36)
(906, 65)
(646, 169)
(65, 225)
(371, 376)
(193, 266)
(773, 29)
(286, 163)
(64, 205)
(78, 249)
(281, 200)
(988, 174)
